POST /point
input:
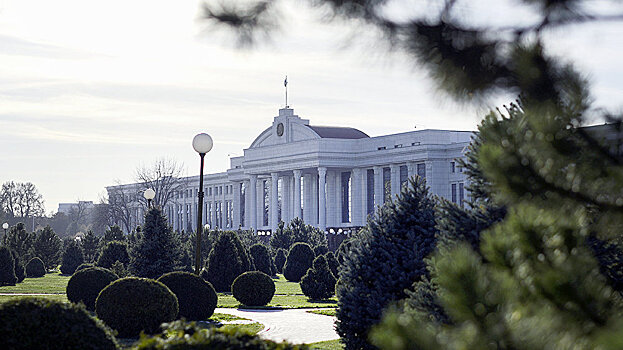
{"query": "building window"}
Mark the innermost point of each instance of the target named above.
(381, 148)
(461, 194)
(452, 167)
(398, 145)
(387, 185)
(404, 175)
(370, 191)
(421, 170)
(209, 191)
(345, 196)
(453, 193)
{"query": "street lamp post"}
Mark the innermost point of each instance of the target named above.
(5, 226)
(149, 194)
(202, 143)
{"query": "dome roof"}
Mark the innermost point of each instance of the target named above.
(334, 132)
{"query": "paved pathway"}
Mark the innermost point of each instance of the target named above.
(293, 325)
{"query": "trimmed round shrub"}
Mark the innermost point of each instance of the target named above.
(253, 288)
(261, 258)
(319, 282)
(86, 284)
(333, 264)
(300, 258)
(113, 251)
(38, 323)
(226, 261)
(131, 305)
(35, 268)
(280, 259)
(72, 258)
(7, 268)
(20, 272)
(83, 266)
(196, 298)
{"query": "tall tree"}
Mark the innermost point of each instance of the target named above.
(165, 176)
(48, 247)
(21, 242)
(21, 199)
(90, 244)
(120, 207)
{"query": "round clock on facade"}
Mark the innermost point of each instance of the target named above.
(280, 129)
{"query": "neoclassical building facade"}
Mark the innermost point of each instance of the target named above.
(331, 177)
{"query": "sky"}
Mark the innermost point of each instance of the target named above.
(91, 90)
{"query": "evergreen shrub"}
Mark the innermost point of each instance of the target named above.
(253, 288)
(131, 305)
(280, 259)
(38, 323)
(320, 250)
(113, 251)
(20, 271)
(72, 258)
(7, 267)
(261, 259)
(319, 282)
(35, 268)
(86, 284)
(48, 247)
(333, 264)
(83, 266)
(300, 259)
(180, 335)
(196, 298)
(226, 261)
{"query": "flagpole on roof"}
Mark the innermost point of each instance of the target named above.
(285, 83)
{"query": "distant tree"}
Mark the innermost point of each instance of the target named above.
(7, 268)
(48, 247)
(296, 231)
(72, 257)
(120, 207)
(101, 217)
(21, 241)
(226, 261)
(59, 223)
(280, 259)
(165, 176)
(111, 252)
(158, 249)
(261, 259)
(20, 271)
(21, 200)
(90, 246)
(114, 233)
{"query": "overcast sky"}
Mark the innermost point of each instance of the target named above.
(89, 90)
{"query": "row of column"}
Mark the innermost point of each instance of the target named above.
(323, 196)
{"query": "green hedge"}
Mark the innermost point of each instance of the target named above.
(300, 258)
(38, 323)
(196, 298)
(131, 305)
(35, 268)
(85, 285)
(253, 288)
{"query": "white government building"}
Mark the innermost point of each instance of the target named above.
(331, 177)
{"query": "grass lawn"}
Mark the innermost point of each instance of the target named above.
(282, 286)
(327, 345)
(280, 301)
(51, 283)
(252, 328)
(59, 297)
(226, 317)
(323, 312)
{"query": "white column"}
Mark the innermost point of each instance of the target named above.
(330, 199)
(236, 204)
(411, 169)
(252, 213)
(285, 199)
(175, 214)
(338, 198)
(378, 186)
(395, 180)
(356, 206)
(260, 203)
(297, 194)
(307, 199)
(274, 201)
(247, 200)
(314, 199)
(322, 219)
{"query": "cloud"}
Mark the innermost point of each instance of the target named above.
(11, 45)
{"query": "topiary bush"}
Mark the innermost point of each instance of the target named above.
(300, 258)
(131, 305)
(113, 251)
(333, 264)
(83, 266)
(72, 258)
(7, 268)
(196, 298)
(320, 250)
(181, 335)
(85, 285)
(280, 259)
(38, 323)
(35, 268)
(20, 272)
(226, 261)
(261, 259)
(253, 288)
(319, 282)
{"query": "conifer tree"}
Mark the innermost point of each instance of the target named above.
(20, 271)
(318, 282)
(113, 251)
(297, 231)
(226, 261)
(48, 247)
(7, 267)
(280, 259)
(261, 259)
(158, 250)
(20, 241)
(114, 233)
(90, 246)
(384, 260)
(72, 257)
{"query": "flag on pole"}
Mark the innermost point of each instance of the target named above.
(285, 82)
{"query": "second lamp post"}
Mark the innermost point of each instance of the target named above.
(202, 143)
